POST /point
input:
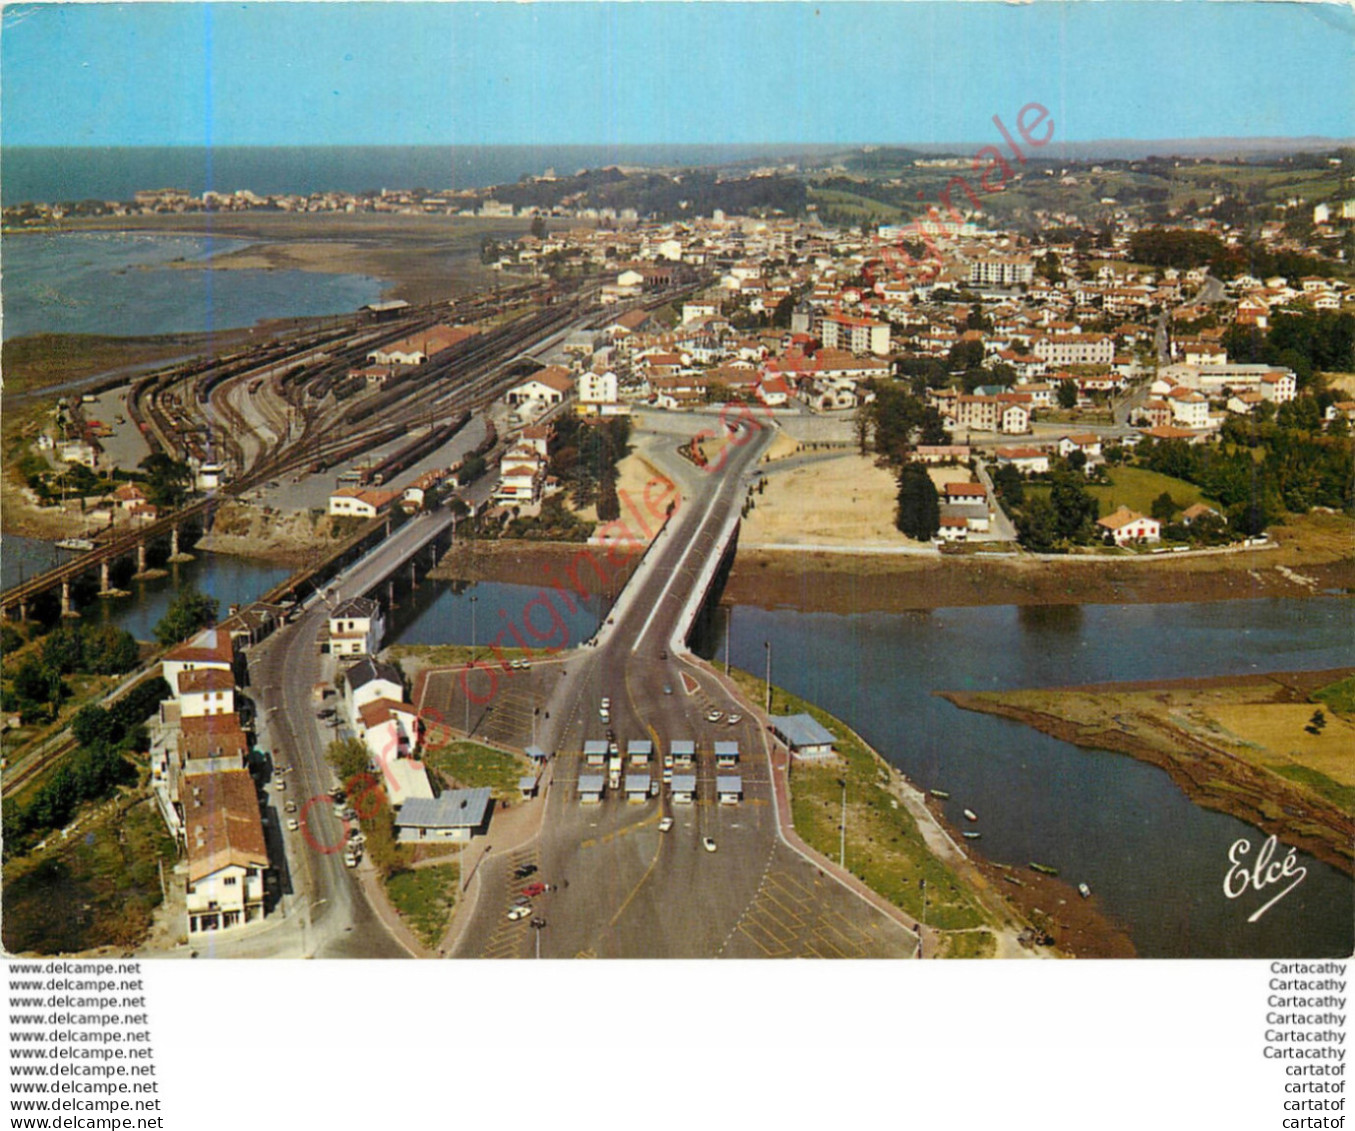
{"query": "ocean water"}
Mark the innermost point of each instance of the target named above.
(114, 283)
(60, 175)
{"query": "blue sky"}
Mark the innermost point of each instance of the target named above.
(584, 73)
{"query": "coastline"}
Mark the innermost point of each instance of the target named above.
(1095, 717)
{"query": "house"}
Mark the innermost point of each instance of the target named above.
(452, 818)
(1279, 386)
(1197, 511)
(978, 413)
(1028, 461)
(210, 648)
(78, 451)
(205, 691)
(941, 453)
(1088, 443)
(803, 735)
(1189, 408)
(548, 387)
(227, 854)
(597, 390)
(369, 680)
(521, 483)
(356, 628)
(360, 502)
(953, 528)
(859, 335)
(1126, 526)
(213, 737)
(129, 497)
(966, 494)
(1015, 420)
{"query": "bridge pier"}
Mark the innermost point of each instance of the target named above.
(175, 554)
(67, 608)
(390, 594)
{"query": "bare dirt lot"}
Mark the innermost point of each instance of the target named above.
(843, 500)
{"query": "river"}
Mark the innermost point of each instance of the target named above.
(1155, 860)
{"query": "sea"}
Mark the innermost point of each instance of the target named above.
(55, 175)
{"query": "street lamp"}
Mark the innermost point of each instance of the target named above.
(729, 625)
(768, 645)
(537, 924)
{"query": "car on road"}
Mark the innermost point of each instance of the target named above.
(279, 784)
(668, 689)
(293, 824)
(524, 871)
(663, 653)
(708, 843)
(516, 913)
(537, 888)
(665, 824)
(290, 807)
(714, 715)
(606, 703)
(350, 861)
(734, 718)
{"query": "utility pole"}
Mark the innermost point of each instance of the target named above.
(729, 623)
(768, 645)
(842, 849)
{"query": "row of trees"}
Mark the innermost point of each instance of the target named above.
(37, 687)
(584, 458)
(97, 768)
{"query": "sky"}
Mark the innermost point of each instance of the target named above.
(142, 74)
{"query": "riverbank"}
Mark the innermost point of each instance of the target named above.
(1235, 744)
(897, 837)
(1312, 555)
(420, 258)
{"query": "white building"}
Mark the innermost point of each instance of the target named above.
(205, 691)
(356, 627)
(227, 854)
(1127, 526)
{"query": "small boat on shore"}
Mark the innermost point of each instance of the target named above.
(941, 794)
(83, 544)
(1084, 891)
(970, 815)
(1044, 869)
(972, 836)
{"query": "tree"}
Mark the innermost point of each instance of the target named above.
(609, 506)
(538, 228)
(93, 724)
(1075, 510)
(64, 650)
(919, 513)
(167, 480)
(933, 428)
(1067, 394)
(1007, 483)
(1037, 525)
(189, 612)
(38, 683)
(110, 650)
(1164, 507)
(471, 470)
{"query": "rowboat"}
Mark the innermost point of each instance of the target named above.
(1047, 869)
(1084, 891)
(970, 815)
(941, 793)
(972, 836)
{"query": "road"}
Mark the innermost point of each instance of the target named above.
(621, 887)
(319, 894)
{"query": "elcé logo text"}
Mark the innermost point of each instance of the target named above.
(1262, 873)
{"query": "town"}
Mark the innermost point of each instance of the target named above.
(1114, 379)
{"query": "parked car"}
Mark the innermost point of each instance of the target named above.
(290, 806)
(516, 913)
(708, 843)
(734, 718)
(537, 888)
(714, 715)
(524, 871)
(293, 824)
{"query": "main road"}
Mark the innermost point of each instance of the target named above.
(620, 887)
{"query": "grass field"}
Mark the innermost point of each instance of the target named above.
(1137, 487)
(1338, 696)
(884, 845)
(471, 765)
(425, 897)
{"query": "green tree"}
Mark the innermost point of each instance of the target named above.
(609, 506)
(919, 509)
(109, 650)
(93, 724)
(64, 650)
(1009, 485)
(167, 480)
(538, 228)
(1164, 507)
(1037, 525)
(1075, 509)
(1067, 394)
(189, 612)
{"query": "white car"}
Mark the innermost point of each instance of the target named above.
(665, 824)
(293, 824)
(516, 913)
(714, 715)
(708, 843)
(734, 719)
